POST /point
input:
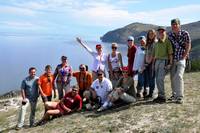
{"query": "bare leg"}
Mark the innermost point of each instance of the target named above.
(50, 105)
(51, 112)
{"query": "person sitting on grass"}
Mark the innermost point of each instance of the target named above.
(71, 102)
(124, 90)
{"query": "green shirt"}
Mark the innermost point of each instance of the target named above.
(162, 50)
(128, 86)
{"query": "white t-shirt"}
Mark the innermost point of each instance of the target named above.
(139, 59)
(114, 61)
(99, 61)
(102, 89)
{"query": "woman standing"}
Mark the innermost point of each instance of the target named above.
(100, 59)
(149, 65)
(115, 64)
(63, 74)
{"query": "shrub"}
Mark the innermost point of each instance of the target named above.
(195, 65)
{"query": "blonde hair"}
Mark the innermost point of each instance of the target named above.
(114, 44)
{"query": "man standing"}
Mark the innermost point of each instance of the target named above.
(162, 53)
(181, 43)
(131, 55)
(30, 93)
(83, 78)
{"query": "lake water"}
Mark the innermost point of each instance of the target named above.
(18, 53)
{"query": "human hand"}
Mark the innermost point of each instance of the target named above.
(24, 101)
(78, 39)
(44, 98)
(168, 67)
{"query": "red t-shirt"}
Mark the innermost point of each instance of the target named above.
(131, 57)
(72, 102)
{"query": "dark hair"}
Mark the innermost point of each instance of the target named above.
(75, 87)
(86, 67)
(32, 68)
(47, 67)
(150, 41)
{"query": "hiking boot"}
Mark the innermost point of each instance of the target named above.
(149, 96)
(159, 100)
(172, 98)
(139, 95)
(179, 101)
(145, 94)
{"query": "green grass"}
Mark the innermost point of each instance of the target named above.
(140, 118)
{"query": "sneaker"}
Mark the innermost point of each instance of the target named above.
(179, 101)
(101, 109)
(149, 97)
(172, 98)
(18, 128)
(159, 100)
(41, 122)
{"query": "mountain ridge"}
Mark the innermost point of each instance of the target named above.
(137, 29)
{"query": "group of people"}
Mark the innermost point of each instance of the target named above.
(157, 54)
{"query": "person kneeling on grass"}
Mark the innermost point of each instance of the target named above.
(124, 90)
(71, 102)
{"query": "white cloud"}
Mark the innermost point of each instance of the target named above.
(104, 13)
(107, 15)
(21, 25)
(16, 11)
(187, 13)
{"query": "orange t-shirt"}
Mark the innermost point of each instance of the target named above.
(84, 80)
(46, 84)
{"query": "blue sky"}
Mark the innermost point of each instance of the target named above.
(89, 18)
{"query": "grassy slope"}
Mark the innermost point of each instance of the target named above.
(142, 117)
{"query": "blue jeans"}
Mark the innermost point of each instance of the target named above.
(149, 76)
(141, 82)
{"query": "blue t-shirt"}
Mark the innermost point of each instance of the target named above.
(30, 87)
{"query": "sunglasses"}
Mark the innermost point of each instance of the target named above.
(129, 40)
(99, 74)
(124, 72)
(114, 47)
(74, 90)
(82, 69)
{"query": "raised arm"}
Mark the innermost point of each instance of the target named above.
(84, 45)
